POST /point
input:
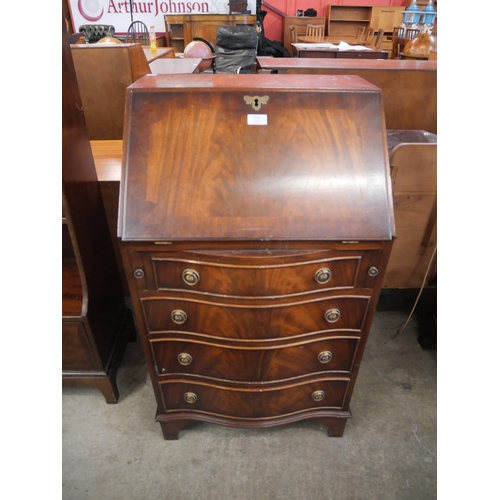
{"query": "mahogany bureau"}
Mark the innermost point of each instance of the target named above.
(255, 225)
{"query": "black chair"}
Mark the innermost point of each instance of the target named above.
(236, 49)
(138, 33)
(94, 32)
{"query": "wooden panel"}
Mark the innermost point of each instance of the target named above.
(405, 86)
(104, 71)
(415, 196)
(386, 18)
(77, 353)
(325, 124)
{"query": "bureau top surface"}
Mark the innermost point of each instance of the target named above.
(255, 157)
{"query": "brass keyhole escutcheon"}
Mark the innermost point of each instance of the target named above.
(324, 357)
(138, 273)
(190, 397)
(318, 395)
(256, 101)
(332, 315)
(178, 316)
(373, 271)
(184, 358)
(322, 275)
(190, 276)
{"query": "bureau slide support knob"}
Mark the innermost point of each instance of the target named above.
(190, 397)
(190, 277)
(178, 316)
(322, 275)
(318, 395)
(332, 315)
(138, 273)
(184, 358)
(324, 356)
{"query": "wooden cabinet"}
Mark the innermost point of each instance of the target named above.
(386, 18)
(96, 324)
(345, 20)
(301, 22)
(181, 29)
(256, 224)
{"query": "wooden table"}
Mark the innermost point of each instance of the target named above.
(160, 52)
(327, 52)
(168, 66)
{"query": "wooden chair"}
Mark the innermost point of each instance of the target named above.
(293, 34)
(398, 41)
(378, 39)
(399, 38)
(360, 34)
(315, 30)
(368, 37)
(138, 33)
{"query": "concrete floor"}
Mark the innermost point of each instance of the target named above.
(388, 450)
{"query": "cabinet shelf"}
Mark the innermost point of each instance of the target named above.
(345, 20)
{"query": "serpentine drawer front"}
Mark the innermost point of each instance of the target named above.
(250, 274)
(255, 228)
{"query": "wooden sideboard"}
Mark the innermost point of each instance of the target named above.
(409, 88)
(181, 29)
(254, 242)
(343, 21)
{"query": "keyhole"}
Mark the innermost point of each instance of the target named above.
(256, 103)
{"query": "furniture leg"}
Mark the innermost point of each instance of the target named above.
(334, 426)
(171, 429)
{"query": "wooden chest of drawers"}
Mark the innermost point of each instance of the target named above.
(256, 224)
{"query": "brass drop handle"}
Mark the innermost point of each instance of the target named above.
(178, 316)
(332, 315)
(324, 356)
(190, 397)
(322, 275)
(184, 358)
(190, 276)
(318, 395)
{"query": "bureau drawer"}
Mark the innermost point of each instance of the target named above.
(253, 402)
(257, 273)
(255, 321)
(244, 363)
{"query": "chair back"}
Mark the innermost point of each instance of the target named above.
(236, 49)
(315, 30)
(138, 33)
(399, 38)
(94, 32)
(367, 38)
(378, 39)
(293, 34)
(398, 41)
(360, 34)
